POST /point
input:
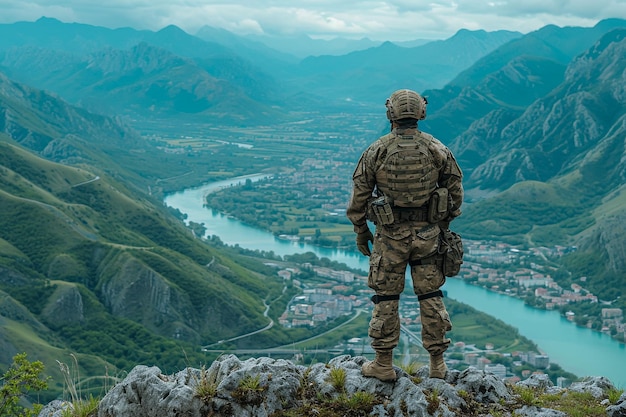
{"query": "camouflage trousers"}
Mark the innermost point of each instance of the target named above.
(397, 246)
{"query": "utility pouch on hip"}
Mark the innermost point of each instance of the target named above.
(438, 205)
(382, 211)
(451, 247)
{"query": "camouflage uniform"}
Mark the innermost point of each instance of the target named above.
(411, 240)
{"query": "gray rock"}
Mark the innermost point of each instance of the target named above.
(531, 411)
(55, 409)
(595, 385)
(402, 397)
(273, 385)
(146, 392)
(262, 387)
(541, 382)
(446, 391)
(278, 382)
(484, 387)
(619, 408)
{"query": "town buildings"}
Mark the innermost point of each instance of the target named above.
(335, 293)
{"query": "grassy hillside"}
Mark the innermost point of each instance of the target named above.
(529, 212)
(110, 276)
(21, 332)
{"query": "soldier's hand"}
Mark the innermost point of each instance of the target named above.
(362, 242)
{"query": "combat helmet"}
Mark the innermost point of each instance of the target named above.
(406, 104)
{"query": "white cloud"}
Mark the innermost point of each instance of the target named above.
(381, 20)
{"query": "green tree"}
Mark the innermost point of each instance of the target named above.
(21, 378)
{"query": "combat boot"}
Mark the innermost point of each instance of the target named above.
(381, 367)
(438, 366)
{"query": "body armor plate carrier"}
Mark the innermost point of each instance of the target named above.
(408, 175)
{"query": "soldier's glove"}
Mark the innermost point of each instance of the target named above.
(362, 242)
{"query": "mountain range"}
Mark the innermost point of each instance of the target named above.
(554, 165)
(537, 122)
(129, 72)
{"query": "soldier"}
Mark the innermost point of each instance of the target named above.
(409, 184)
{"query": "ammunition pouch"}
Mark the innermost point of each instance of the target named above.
(369, 211)
(438, 206)
(451, 249)
(382, 211)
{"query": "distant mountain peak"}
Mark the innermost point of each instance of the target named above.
(44, 19)
(610, 23)
(172, 29)
(388, 44)
(465, 32)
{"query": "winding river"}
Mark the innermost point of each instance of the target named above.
(577, 350)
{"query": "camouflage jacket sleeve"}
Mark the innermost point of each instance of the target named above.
(363, 184)
(451, 177)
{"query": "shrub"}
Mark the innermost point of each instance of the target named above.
(21, 378)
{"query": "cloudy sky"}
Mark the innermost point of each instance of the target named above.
(374, 19)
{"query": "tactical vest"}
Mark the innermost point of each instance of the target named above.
(408, 174)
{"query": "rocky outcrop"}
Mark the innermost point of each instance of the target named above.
(138, 292)
(65, 307)
(263, 387)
